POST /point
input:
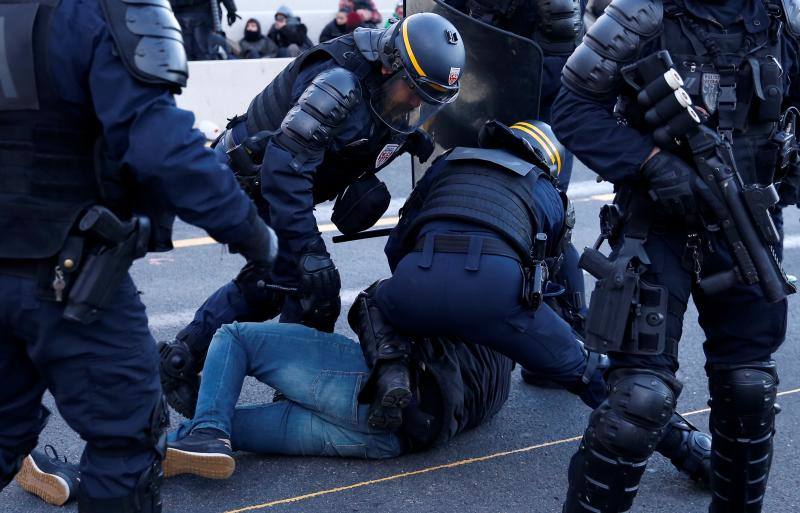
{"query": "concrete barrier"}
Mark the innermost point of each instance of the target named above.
(218, 90)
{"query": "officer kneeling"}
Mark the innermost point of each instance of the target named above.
(341, 112)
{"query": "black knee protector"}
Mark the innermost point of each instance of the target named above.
(631, 422)
(622, 433)
(743, 408)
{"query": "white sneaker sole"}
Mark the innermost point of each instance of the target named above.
(48, 487)
(210, 465)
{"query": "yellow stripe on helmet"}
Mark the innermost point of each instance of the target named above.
(553, 157)
(547, 139)
(410, 52)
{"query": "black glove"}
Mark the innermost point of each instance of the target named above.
(420, 144)
(232, 17)
(321, 284)
(262, 248)
(673, 184)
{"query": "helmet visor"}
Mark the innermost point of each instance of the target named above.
(404, 105)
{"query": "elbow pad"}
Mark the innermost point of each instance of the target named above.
(614, 40)
(320, 112)
(558, 26)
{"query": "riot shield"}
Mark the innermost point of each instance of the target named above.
(501, 80)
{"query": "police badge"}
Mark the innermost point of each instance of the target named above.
(385, 154)
(710, 91)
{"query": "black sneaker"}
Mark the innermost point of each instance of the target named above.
(206, 452)
(47, 476)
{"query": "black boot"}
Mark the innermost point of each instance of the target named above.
(742, 423)
(387, 353)
(688, 448)
(180, 380)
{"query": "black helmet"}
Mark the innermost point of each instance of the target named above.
(533, 137)
(425, 56)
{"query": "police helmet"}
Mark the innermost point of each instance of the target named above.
(425, 57)
(542, 139)
(531, 139)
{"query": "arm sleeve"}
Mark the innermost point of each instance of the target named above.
(589, 130)
(146, 132)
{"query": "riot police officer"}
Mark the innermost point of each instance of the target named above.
(339, 113)
(736, 67)
(482, 223)
(91, 179)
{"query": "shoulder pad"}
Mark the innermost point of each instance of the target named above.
(367, 41)
(615, 39)
(791, 13)
(641, 16)
(148, 40)
(320, 111)
(500, 157)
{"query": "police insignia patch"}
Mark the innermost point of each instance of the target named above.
(454, 74)
(710, 90)
(385, 154)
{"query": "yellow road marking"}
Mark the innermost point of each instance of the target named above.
(426, 470)
(324, 228)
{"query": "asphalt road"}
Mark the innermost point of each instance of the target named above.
(515, 463)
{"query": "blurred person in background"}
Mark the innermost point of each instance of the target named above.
(370, 16)
(290, 36)
(254, 45)
(337, 27)
(399, 12)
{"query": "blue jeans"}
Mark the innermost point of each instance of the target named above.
(319, 373)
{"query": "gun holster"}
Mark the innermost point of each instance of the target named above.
(109, 248)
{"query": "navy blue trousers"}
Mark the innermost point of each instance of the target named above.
(478, 297)
(103, 376)
(739, 324)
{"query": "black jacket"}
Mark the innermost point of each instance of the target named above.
(332, 31)
(461, 386)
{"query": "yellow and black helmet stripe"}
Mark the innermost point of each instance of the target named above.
(546, 143)
(410, 51)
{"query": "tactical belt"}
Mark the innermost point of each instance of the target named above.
(464, 243)
(23, 268)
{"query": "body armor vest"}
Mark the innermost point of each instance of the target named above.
(47, 172)
(736, 77)
(487, 195)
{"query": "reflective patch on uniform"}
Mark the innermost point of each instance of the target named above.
(385, 154)
(710, 91)
(453, 77)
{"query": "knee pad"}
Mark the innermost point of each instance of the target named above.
(743, 398)
(631, 422)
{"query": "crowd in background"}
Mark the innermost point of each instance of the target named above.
(205, 38)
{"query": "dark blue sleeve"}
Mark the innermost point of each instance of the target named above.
(290, 192)
(551, 83)
(792, 65)
(144, 130)
(589, 129)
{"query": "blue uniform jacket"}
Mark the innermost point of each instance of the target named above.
(587, 126)
(291, 194)
(142, 127)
